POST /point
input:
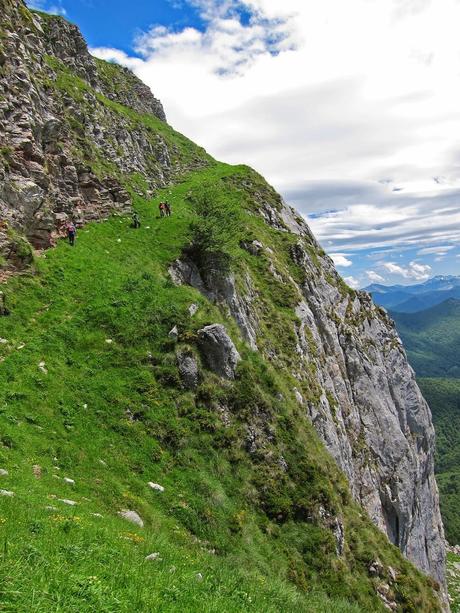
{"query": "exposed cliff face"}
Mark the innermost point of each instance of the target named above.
(367, 407)
(71, 150)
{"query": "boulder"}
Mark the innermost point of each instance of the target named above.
(218, 350)
(188, 369)
(156, 486)
(132, 517)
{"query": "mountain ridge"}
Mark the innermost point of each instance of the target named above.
(417, 297)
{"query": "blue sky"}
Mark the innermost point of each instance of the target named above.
(116, 23)
(350, 109)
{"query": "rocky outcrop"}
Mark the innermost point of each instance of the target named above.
(69, 149)
(218, 350)
(367, 407)
(220, 287)
(65, 42)
(188, 368)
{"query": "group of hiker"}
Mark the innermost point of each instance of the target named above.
(164, 208)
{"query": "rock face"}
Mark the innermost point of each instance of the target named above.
(218, 350)
(368, 409)
(65, 136)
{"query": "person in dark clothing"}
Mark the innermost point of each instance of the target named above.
(136, 220)
(167, 209)
(161, 206)
(71, 233)
(3, 308)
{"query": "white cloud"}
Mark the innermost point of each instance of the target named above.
(352, 282)
(419, 272)
(346, 107)
(341, 259)
(374, 276)
(440, 250)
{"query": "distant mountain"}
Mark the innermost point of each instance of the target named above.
(414, 298)
(432, 339)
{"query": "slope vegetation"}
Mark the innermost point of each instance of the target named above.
(113, 416)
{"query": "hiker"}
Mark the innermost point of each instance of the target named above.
(167, 208)
(161, 206)
(71, 233)
(3, 308)
(136, 221)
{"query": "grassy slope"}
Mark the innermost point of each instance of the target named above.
(453, 574)
(121, 403)
(78, 562)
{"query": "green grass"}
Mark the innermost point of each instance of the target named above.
(453, 576)
(122, 402)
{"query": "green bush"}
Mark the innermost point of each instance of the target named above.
(215, 230)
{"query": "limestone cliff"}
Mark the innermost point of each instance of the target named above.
(367, 407)
(66, 146)
(73, 147)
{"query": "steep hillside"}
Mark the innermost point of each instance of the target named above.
(215, 354)
(432, 339)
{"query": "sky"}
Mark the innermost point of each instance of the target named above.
(350, 109)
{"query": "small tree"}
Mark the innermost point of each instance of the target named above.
(215, 230)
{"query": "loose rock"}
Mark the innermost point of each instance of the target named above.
(218, 350)
(6, 493)
(156, 486)
(132, 517)
(174, 333)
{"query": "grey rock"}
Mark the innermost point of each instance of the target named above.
(192, 309)
(3, 472)
(174, 333)
(253, 247)
(218, 350)
(6, 493)
(156, 486)
(132, 517)
(188, 368)
(220, 288)
(153, 557)
(70, 503)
